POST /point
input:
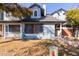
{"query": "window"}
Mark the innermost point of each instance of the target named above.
(14, 28)
(29, 28)
(38, 28)
(35, 13)
(33, 28)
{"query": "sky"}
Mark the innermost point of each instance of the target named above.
(51, 7)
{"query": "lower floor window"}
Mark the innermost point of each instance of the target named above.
(14, 28)
(32, 28)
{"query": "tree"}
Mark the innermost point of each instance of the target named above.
(15, 9)
(72, 16)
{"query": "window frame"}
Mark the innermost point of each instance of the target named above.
(13, 29)
(33, 29)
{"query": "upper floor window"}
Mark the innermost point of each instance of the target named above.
(35, 13)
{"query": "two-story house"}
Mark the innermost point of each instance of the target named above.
(38, 26)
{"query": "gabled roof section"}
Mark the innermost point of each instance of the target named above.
(58, 11)
(42, 10)
(35, 4)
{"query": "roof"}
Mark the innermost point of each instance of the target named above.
(46, 19)
(50, 18)
(58, 10)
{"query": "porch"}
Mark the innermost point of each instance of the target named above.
(22, 31)
(30, 31)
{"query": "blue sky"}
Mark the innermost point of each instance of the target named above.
(51, 7)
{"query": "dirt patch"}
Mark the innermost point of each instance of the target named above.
(21, 48)
(38, 47)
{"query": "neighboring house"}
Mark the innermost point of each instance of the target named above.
(59, 14)
(38, 26)
(66, 30)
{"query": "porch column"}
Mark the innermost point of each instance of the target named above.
(21, 30)
(60, 29)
